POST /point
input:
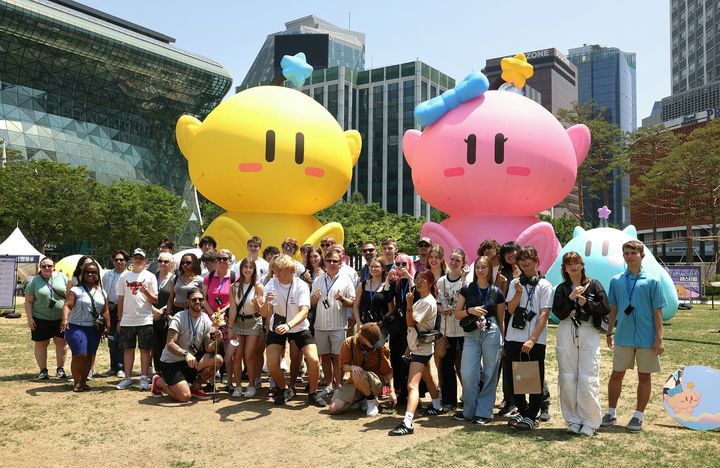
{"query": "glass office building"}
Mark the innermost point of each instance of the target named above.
(607, 76)
(82, 87)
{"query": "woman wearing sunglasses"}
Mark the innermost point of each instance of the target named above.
(166, 280)
(187, 278)
(85, 302)
(216, 288)
(373, 297)
(401, 281)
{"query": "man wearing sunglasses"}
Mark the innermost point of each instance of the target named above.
(290, 247)
(365, 363)
(369, 251)
(110, 283)
(423, 246)
(187, 359)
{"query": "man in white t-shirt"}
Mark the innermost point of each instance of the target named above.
(287, 299)
(137, 291)
(332, 293)
(254, 244)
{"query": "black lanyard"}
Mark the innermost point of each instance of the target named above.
(193, 329)
(93, 312)
(287, 298)
(627, 286)
(373, 293)
(244, 297)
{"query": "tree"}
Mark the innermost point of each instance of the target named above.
(563, 225)
(135, 215)
(605, 162)
(49, 201)
(647, 145)
(209, 212)
(368, 221)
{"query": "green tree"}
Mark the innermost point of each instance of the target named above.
(607, 159)
(134, 215)
(209, 212)
(563, 225)
(647, 145)
(49, 201)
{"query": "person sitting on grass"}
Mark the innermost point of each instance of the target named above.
(189, 358)
(365, 363)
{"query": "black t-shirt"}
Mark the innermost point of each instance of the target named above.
(374, 304)
(475, 296)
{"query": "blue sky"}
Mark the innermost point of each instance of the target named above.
(455, 37)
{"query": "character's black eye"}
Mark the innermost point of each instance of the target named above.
(299, 148)
(606, 246)
(471, 151)
(270, 146)
(588, 248)
(500, 148)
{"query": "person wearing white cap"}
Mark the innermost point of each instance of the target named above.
(137, 291)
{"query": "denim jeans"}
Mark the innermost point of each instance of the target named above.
(479, 367)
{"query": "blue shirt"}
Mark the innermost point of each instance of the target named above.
(638, 328)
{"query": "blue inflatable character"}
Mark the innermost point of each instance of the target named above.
(601, 250)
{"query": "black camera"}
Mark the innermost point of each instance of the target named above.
(629, 309)
(521, 317)
(326, 303)
(51, 303)
(193, 349)
(279, 320)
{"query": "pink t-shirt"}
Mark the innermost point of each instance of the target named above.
(218, 291)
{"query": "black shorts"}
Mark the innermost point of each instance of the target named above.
(46, 329)
(175, 372)
(301, 338)
(143, 333)
(420, 358)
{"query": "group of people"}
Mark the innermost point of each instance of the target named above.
(393, 330)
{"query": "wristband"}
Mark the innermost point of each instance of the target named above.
(609, 334)
(186, 353)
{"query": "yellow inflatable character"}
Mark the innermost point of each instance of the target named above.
(272, 157)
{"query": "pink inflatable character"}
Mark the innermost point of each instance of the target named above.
(492, 160)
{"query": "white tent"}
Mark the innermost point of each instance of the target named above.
(17, 245)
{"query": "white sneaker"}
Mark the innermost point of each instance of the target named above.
(283, 365)
(124, 384)
(574, 429)
(250, 392)
(120, 374)
(144, 383)
(237, 393)
(372, 408)
(587, 431)
(90, 374)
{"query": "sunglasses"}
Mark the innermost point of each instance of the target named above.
(325, 245)
(196, 299)
(332, 261)
(223, 259)
(94, 273)
(47, 266)
(163, 261)
(289, 246)
(404, 264)
(186, 263)
(423, 244)
(120, 259)
(368, 250)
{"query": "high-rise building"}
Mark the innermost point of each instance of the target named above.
(606, 76)
(83, 87)
(333, 46)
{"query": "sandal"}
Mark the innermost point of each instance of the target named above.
(273, 391)
(85, 387)
(525, 424)
(78, 388)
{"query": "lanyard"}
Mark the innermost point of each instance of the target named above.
(530, 294)
(373, 293)
(328, 288)
(49, 285)
(193, 328)
(404, 290)
(484, 298)
(289, 293)
(222, 283)
(627, 286)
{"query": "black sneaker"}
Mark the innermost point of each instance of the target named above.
(229, 388)
(481, 421)
(459, 416)
(545, 415)
(401, 430)
(61, 373)
(432, 411)
(44, 375)
(316, 400)
(283, 396)
(507, 411)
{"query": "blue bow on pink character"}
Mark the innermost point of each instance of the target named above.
(474, 85)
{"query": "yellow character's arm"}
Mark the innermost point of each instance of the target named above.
(229, 234)
(334, 230)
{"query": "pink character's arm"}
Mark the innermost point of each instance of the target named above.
(542, 237)
(440, 235)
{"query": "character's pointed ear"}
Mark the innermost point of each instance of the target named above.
(631, 231)
(580, 137)
(185, 130)
(578, 231)
(354, 141)
(409, 142)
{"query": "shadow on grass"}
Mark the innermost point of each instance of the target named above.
(684, 340)
(261, 407)
(49, 389)
(164, 402)
(21, 377)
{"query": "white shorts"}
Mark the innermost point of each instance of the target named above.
(329, 341)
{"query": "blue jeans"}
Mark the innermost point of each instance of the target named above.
(479, 367)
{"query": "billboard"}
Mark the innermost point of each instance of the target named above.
(314, 46)
(687, 279)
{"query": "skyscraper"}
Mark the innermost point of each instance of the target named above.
(606, 75)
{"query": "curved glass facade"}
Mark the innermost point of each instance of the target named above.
(76, 89)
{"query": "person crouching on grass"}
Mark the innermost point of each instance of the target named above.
(365, 363)
(187, 359)
(420, 316)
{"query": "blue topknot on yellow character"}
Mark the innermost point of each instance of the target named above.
(272, 157)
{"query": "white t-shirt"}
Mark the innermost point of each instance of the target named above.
(333, 317)
(424, 312)
(541, 298)
(289, 299)
(137, 309)
(191, 332)
(448, 292)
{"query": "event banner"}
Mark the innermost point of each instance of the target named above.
(8, 279)
(687, 281)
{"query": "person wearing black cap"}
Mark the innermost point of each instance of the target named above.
(365, 362)
(423, 246)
